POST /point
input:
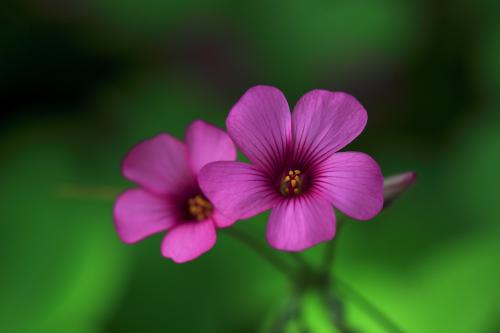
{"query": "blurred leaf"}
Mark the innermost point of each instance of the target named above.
(453, 291)
(488, 68)
(315, 315)
(149, 17)
(461, 286)
(474, 177)
(146, 105)
(306, 40)
(62, 264)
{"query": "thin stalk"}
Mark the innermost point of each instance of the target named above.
(77, 191)
(261, 250)
(370, 308)
(337, 313)
(301, 262)
(290, 312)
(330, 251)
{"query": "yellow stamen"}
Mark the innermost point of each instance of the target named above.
(292, 183)
(199, 208)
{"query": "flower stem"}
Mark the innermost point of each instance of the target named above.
(77, 191)
(301, 262)
(313, 275)
(370, 308)
(330, 251)
(338, 313)
(262, 250)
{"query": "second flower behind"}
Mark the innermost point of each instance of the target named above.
(168, 197)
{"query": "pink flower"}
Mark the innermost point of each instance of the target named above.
(296, 168)
(168, 196)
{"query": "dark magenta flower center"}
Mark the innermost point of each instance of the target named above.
(292, 183)
(199, 208)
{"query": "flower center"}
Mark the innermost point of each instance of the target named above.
(200, 208)
(292, 183)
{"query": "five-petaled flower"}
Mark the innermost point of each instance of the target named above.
(296, 168)
(169, 197)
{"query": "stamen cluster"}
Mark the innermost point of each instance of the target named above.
(200, 208)
(292, 183)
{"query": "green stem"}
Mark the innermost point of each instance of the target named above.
(329, 254)
(262, 250)
(306, 270)
(301, 262)
(290, 312)
(338, 313)
(370, 308)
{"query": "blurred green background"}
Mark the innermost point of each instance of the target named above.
(82, 81)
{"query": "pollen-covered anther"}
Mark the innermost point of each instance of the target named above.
(292, 183)
(199, 208)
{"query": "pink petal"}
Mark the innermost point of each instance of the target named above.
(259, 124)
(299, 223)
(160, 165)
(189, 240)
(207, 143)
(324, 122)
(138, 214)
(238, 190)
(221, 220)
(353, 183)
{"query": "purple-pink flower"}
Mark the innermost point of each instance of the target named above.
(168, 197)
(296, 168)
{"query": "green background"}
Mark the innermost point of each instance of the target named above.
(82, 81)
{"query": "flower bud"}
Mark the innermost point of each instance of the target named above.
(395, 185)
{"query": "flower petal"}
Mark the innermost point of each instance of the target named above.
(221, 220)
(138, 214)
(188, 241)
(353, 183)
(207, 143)
(324, 122)
(299, 223)
(259, 124)
(159, 164)
(238, 190)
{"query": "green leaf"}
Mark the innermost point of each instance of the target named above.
(65, 266)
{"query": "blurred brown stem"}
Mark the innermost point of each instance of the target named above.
(74, 191)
